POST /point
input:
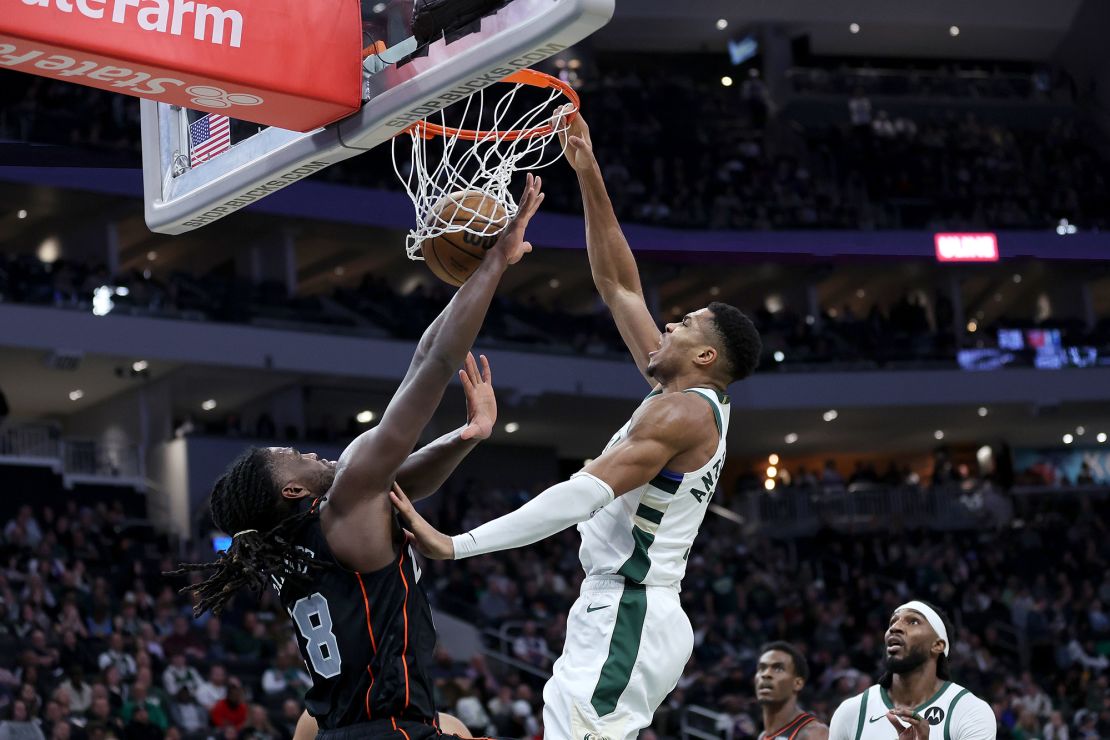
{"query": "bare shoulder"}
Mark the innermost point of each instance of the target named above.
(673, 415)
(814, 731)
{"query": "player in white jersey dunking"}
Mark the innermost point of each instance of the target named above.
(638, 506)
(915, 698)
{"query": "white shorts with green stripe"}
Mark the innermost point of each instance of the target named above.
(625, 650)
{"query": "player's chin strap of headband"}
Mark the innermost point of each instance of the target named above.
(931, 617)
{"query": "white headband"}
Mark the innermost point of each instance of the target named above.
(931, 617)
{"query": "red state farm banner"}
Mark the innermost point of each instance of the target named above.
(295, 64)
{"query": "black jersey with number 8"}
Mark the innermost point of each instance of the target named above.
(366, 638)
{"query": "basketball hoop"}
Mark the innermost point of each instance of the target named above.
(506, 138)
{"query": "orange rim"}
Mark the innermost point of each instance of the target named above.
(531, 77)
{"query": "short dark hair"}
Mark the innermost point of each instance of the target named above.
(801, 667)
(246, 503)
(740, 342)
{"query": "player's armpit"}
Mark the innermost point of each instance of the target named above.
(659, 433)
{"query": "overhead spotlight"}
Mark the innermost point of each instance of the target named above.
(1101, 437)
(365, 416)
(1065, 228)
(102, 303)
(48, 250)
(209, 404)
(938, 435)
(772, 471)
(146, 274)
(726, 81)
(790, 438)
(773, 459)
(722, 24)
(77, 394)
(1068, 439)
(983, 411)
(861, 293)
(1080, 431)
(21, 214)
(139, 365)
(972, 326)
(151, 256)
(853, 28)
(1017, 277)
(379, 7)
(512, 427)
(553, 283)
(830, 415)
(714, 291)
(810, 319)
(123, 290)
(953, 31)
(769, 484)
(779, 355)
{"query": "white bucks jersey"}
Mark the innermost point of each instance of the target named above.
(645, 535)
(953, 713)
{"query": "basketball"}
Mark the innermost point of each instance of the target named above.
(454, 256)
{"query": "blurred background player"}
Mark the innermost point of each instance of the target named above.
(915, 695)
(324, 533)
(780, 676)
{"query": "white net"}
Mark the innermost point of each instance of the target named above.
(460, 182)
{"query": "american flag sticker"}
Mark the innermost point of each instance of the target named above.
(209, 135)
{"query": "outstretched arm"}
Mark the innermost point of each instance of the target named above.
(611, 262)
(356, 521)
(425, 470)
(660, 433)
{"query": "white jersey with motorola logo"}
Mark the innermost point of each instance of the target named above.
(645, 535)
(953, 713)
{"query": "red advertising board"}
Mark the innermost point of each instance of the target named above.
(286, 63)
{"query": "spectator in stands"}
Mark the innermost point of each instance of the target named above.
(288, 676)
(102, 720)
(183, 640)
(77, 689)
(830, 476)
(530, 647)
(115, 657)
(141, 726)
(142, 701)
(214, 689)
(186, 713)
(24, 527)
(259, 726)
(20, 725)
(215, 648)
(179, 675)
(231, 711)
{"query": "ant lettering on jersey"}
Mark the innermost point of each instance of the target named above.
(709, 481)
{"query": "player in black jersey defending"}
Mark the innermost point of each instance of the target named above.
(779, 677)
(324, 534)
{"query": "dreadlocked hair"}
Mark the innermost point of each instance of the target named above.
(247, 503)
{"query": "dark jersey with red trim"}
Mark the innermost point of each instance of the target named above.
(366, 638)
(791, 730)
